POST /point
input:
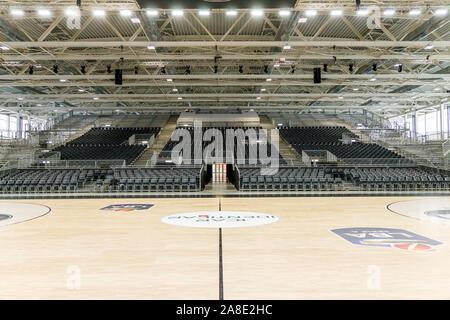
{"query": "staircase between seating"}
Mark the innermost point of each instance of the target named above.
(160, 142)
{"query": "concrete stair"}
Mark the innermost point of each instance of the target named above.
(286, 151)
(79, 134)
(160, 142)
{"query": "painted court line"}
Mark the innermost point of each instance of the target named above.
(220, 259)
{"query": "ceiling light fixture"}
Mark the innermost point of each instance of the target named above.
(256, 12)
(336, 12)
(177, 12)
(362, 12)
(16, 12)
(98, 13)
(125, 13)
(415, 12)
(310, 13)
(441, 12)
(44, 12)
(152, 13)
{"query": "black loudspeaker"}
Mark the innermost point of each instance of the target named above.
(118, 77)
(317, 75)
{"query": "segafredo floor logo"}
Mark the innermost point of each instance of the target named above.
(220, 219)
(126, 207)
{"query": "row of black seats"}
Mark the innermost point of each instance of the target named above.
(110, 136)
(48, 180)
(351, 150)
(148, 180)
(249, 155)
(328, 138)
(124, 152)
(295, 135)
(105, 180)
(288, 179)
(382, 179)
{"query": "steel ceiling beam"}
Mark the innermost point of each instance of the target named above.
(227, 44)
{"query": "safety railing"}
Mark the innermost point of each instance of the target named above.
(376, 162)
(446, 148)
(71, 164)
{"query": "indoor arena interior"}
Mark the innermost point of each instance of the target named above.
(224, 150)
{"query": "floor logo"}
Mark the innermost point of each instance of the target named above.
(127, 207)
(220, 219)
(386, 237)
(5, 217)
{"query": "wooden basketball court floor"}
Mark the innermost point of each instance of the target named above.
(133, 255)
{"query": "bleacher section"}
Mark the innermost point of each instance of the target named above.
(47, 180)
(166, 152)
(332, 178)
(102, 180)
(105, 143)
(304, 135)
(288, 179)
(398, 179)
(348, 173)
(155, 179)
(329, 138)
(100, 152)
(110, 136)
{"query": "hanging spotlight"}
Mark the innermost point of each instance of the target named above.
(136, 69)
(55, 68)
(215, 69)
(374, 67)
(83, 69)
(358, 3)
(350, 67)
(241, 69)
(163, 70)
(118, 77)
(31, 70)
(266, 69)
(400, 68)
(317, 75)
(108, 68)
(188, 69)
(292, 69)
(325, 68)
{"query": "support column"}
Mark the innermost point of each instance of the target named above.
(448, 120)
(441, 120)
(19, 127)
(8, 126)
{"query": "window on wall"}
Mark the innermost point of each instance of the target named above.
(12, 126)
(4, 125)
(446, 119)
(421, 130)
(430, 123)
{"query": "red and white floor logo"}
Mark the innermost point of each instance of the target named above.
(220, 219)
